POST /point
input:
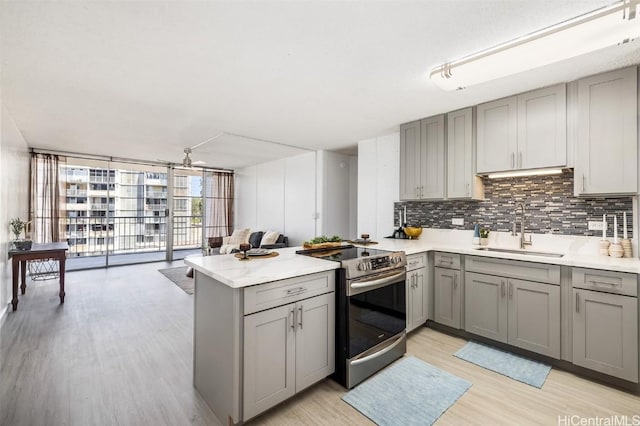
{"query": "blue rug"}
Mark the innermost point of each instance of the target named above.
(522, 369)
(409, 392)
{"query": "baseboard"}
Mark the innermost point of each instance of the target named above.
(3, 314)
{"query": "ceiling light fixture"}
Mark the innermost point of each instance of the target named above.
(520, 173)
(609, 26)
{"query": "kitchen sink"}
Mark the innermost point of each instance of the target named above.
(515, 251)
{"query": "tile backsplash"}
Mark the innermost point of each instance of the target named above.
(550, 207)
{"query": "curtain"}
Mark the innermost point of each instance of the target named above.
(219, 204)
(45, 207)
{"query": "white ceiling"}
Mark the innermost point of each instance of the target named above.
(143, 80)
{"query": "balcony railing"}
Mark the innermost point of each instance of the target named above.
(97, 236)
(76, 192)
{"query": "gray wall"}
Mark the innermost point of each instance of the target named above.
(549, 202)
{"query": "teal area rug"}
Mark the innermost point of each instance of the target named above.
(409, 392)
(521, 369)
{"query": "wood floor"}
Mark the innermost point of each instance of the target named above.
(119, 352)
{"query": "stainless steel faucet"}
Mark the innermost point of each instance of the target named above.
(523, 240)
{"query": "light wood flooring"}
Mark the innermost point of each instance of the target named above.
(119, 352)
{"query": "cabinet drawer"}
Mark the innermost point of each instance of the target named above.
(416, 261)
(605, 281)
(447, 260)
(266, 296)
(530, 271)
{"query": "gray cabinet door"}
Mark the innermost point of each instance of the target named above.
(486, 306)
(462, 181)
(410, 160)
(607, 148)
(447, 297)
(497, 135)
(269, 359)
(605, 333)
(432, 157)
(542, 128)
(315, 339)
(417, 299)
(534, 316)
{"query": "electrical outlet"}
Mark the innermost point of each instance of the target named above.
(595, 225)
(457, 221)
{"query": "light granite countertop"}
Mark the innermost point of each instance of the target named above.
(236, 273)
(578, 252)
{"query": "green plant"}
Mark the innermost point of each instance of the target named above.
(324, 239)
(17, 226)
(484, 232)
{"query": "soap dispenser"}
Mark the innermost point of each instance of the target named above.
(476, 234)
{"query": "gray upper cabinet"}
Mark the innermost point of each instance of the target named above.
(422, 159)
(527, 131)
(542, 128)
(462, 181)
(410, 160)
(607, 147)
(497, 135)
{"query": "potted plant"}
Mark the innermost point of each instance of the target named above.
(484, 236)
(17, 226)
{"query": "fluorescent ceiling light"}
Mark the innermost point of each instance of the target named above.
(519, 173)
(609, 26)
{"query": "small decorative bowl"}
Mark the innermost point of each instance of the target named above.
(412, 232)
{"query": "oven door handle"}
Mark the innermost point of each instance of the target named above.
(379, 282)
(379, 353)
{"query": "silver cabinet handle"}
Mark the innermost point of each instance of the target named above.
(468, 190)
(292, 313)
(520, 159)
(417, 194)
(593, 282)
(414, 278)
(513, 157)
(510, 290)
(300, 319)
(502, 291)
(583, 182)
(295, 291)
(455, 280)
(421, 191)
(577, 302)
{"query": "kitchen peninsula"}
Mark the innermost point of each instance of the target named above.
(263, 330)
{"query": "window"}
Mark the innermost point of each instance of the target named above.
(181, 181)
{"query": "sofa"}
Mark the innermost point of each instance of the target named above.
(257, 239)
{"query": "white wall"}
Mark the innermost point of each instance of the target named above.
(334, 189)
(378, 184)
(302, 197)
(14, 187)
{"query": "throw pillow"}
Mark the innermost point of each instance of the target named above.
(269, 237)
(255, 239)
(239, 236)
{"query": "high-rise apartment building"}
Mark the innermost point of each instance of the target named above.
(119, 210)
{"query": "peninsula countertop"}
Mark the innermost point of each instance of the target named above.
(236, 273)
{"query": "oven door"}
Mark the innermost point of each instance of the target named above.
(376, 310)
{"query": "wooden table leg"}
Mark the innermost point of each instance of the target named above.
(15, 264)
(62, 260)
(23, 275)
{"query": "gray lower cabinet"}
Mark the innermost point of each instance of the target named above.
(521, 313)
(447, 294)
(287, 349)
(605, 333)
(417, 291)
(486, 306)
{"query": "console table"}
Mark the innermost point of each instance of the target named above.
(19, 258)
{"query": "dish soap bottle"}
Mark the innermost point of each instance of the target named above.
(476, 234)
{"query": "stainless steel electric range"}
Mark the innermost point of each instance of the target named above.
(370, 310)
